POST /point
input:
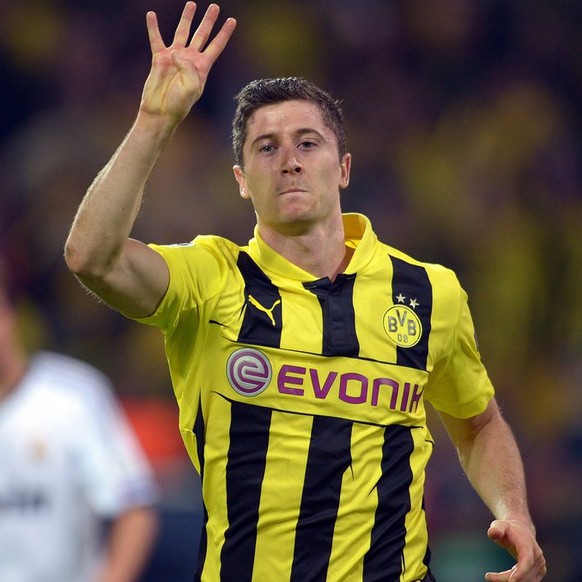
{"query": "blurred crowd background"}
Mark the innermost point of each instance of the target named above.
(464, 119)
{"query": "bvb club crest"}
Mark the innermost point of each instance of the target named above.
(401, 323)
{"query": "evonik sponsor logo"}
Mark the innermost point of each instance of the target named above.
(249, 373)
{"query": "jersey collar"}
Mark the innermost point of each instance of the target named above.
(358, 234)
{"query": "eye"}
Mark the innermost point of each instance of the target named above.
(267, 148)
(307, 145)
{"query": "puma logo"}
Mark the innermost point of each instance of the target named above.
(269, 312)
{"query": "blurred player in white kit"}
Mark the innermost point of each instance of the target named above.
(69, 464)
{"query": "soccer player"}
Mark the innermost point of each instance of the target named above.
(302, 361)
(70, 470)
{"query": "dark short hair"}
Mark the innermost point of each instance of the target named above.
(269, 91)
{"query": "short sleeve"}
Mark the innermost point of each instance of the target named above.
(195, 276)
(459, 384)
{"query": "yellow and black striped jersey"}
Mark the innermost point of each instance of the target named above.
(302, 403)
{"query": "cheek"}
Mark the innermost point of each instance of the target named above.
(259, 184)
(329, 175)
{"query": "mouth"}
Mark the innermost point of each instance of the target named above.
(291, 191)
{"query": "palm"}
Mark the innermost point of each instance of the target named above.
(179, 71)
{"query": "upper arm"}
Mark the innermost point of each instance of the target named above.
(136, 284)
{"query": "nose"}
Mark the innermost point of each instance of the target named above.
(293, 169)
(291, 165)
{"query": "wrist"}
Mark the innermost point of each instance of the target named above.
(523, 521)
(154, 129)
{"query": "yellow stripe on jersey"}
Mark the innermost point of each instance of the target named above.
(281, 494)
(353, 529)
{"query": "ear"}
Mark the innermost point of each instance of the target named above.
(345, 168)
(239, 176)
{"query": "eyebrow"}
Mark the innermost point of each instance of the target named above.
(300, 132)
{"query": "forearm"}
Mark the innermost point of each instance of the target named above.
(490, 457)
(108, 211)
(129, 546)
(493, 465)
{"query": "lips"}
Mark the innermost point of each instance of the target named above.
(291, 191)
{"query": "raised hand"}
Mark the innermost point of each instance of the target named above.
(179, 71)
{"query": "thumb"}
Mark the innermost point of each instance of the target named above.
(507, 575)
(179, 61)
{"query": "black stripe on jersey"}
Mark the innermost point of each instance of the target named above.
(198, 430)
(329, 457)
(384, 558)
(245, 469)
(202, 547)
(263, 320)
(339, 320)
(412, 282)
(428, 554)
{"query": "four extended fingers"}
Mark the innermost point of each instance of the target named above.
(201, 35)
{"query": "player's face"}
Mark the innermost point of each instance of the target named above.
(292, 173)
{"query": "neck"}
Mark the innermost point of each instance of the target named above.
(319, 249)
